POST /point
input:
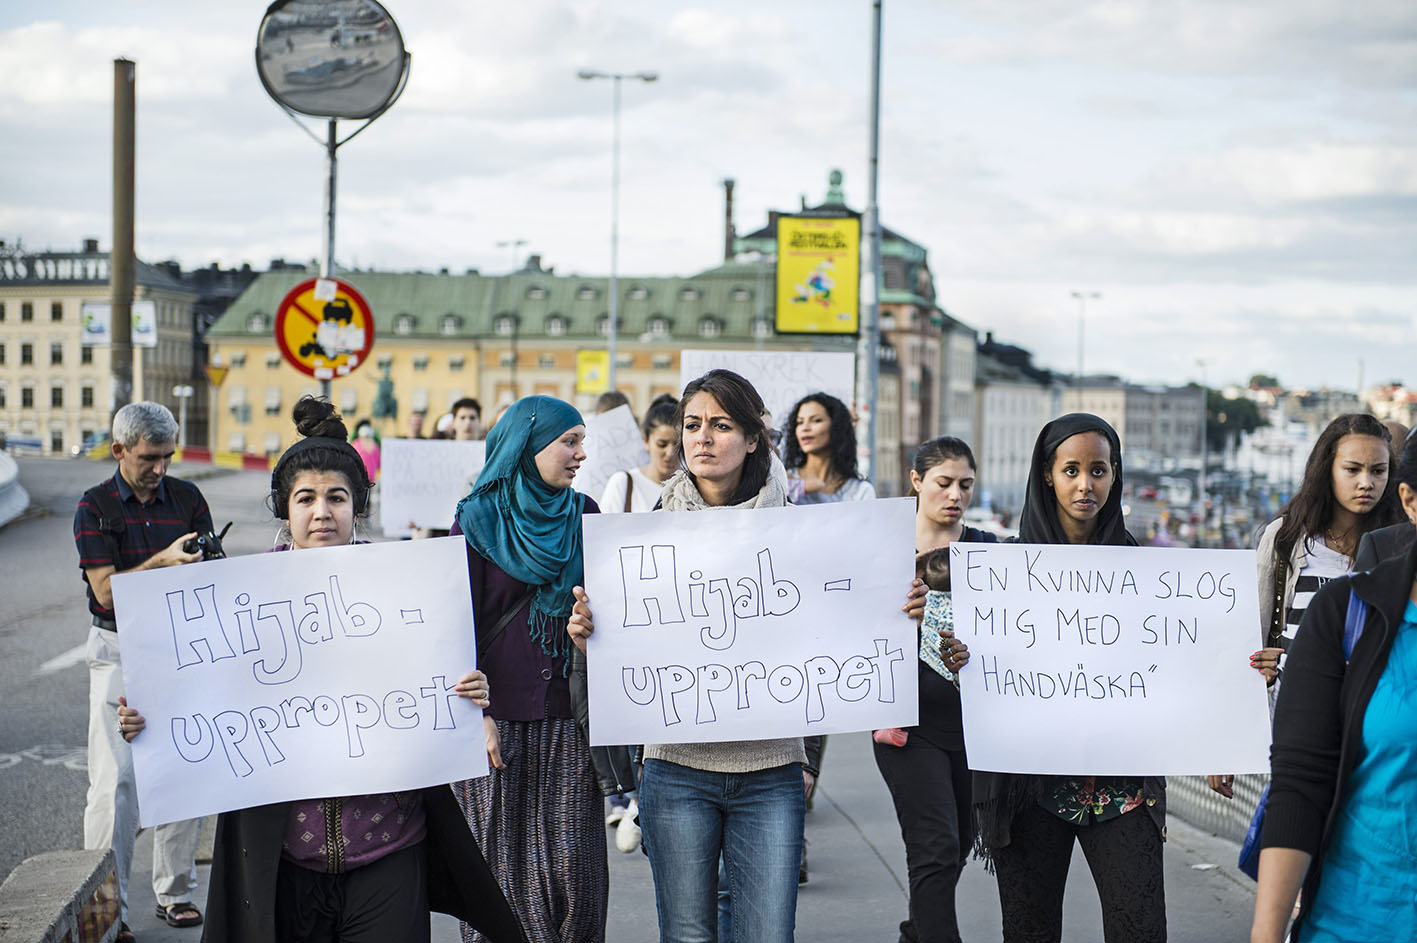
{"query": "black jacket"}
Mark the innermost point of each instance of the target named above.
(241, 900)
(1377, 545)
(1318, 720)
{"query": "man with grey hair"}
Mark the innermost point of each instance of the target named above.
(136, 520)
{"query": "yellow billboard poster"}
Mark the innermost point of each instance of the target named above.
(818, 274)
(592, 371)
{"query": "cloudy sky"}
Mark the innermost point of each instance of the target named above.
(1237, 178)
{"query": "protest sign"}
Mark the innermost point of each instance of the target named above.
(750, 624)
(1093, 660)
(421, 481)
(612, 444)
(282, 676)
(781, 377)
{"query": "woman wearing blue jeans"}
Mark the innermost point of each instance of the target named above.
(743, 801)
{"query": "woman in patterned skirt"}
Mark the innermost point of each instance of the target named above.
(537, 815)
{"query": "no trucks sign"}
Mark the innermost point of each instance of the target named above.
(324, 328)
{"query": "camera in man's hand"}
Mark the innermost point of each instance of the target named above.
(209, 544)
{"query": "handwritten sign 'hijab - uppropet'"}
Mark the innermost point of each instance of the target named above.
(421, 481)
(1109, 660)
(750, 624)
(304, 674)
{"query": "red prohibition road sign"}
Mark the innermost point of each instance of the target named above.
(324, 328)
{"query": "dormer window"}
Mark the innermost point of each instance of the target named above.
(586, 293)
(659, 326)
(505, 325)
(602, 325)
(450, 324)
(710, 326)
(638, 293)
(536, 293)
(555, 326)
(740, 293)
(403, 324)
(688, 293)
(256, 323)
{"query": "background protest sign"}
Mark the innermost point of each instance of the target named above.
(781, 377)
(612, 444)
(421, 481)
(750, 624)
(311, 673)
(1109, 660)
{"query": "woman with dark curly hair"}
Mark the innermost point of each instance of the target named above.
(820, 444)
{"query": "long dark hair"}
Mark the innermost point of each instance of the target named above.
(841, 447)
(745, 407)
(324, 447)
(1406, 473)
(1311, 509)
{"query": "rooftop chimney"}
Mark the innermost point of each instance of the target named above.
(728, 230)
(90, 246)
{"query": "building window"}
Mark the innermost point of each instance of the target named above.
(273, 361)
(602, 325)
(403, 324)
(450, 324)
(546, 361)
(26, 310)
(85, 355)
(385, 361)
(688, 293)
(86, 397)
(2, 311)
(56, 311)
(2, 355)
(56, 397)
(505, 325)
(662, 361)
(56, 440)
(272, 401)
(709, 327)
(238, 361)
(455, 362)
(56, 354)
(624, 361)
(586, 293)
(348, 399)
(741, 294)
(2, 396)
(419, 400)
(536, 293)
(26, 354)
(638, 293)
(272, 443)
(762, 330)
(236, 442)
(659, 327)
(420, 362)
(27, 398)
(256, 323)
(506, 359)
(555, 326)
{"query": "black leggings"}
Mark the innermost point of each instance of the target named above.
(384, 900)
(1124, 855)
(931, 789)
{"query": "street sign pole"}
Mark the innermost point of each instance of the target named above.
(867, 362)
(327, 258)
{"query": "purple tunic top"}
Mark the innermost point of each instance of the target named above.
(526, 683)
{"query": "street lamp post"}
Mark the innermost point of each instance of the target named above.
(183, 393)
(1082, 297)
(1205, 437)
(515, 246)
(614, 325)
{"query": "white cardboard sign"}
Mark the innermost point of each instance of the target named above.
(310, 673)
(750, 624)
(781, 377)
(612, 444)
(421, 481)
(1126, 661)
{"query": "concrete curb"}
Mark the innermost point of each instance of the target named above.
(60, 896)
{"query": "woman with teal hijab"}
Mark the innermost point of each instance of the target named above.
(537, 815)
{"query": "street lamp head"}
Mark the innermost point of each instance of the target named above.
(589, 74)
(647, 76)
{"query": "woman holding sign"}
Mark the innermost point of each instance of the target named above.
(1339, 818)
(1026, 825)
(924, 767)
(538, 814)
(306, 870)
(741, 801)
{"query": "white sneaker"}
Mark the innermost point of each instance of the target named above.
(627, 833)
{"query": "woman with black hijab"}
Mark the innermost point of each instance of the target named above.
(1025, 825)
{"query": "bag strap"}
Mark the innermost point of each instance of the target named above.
(502, 623)
(629, 490)
(1353, 622)
(1276, 619)
(111, 523)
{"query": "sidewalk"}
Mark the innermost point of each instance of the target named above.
(857, 889)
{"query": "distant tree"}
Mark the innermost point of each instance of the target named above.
(1227, 419)
(1263, 379)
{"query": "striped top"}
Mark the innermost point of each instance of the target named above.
(148, 528)
(1321, 564)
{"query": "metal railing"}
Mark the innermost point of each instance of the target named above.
(1192, 799)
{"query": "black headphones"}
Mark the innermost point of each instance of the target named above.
(319, 442)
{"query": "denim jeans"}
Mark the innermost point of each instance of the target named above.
(691, 818)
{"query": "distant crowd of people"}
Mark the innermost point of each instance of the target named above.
(521, 854)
